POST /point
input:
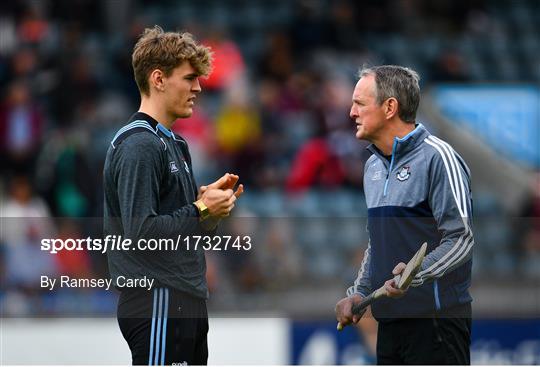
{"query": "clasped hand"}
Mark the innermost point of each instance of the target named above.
(219, 196)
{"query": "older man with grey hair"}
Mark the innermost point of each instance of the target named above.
(417, 190)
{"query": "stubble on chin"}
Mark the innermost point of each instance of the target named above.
(184, 114)
(360, 134)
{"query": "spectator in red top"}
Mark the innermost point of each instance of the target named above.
(315, 165)
(228, 61)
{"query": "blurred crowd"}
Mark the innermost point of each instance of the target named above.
(274, 111)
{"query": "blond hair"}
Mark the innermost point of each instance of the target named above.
(161, 50)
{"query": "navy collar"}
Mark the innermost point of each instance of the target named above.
(154, 123)
(405, 144)
(145, 117)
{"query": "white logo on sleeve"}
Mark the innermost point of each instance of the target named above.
(404, 173)
(376, 176)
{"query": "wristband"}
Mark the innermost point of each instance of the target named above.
(204, 212)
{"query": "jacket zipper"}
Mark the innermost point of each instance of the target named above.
(390, 169)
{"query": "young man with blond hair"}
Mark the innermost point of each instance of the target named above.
(150, 193)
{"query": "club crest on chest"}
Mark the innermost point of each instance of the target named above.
(403, 173)
(173, 167)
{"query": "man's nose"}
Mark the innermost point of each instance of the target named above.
(196, 86)
(353, 113)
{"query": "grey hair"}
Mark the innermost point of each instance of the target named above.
(399, 82)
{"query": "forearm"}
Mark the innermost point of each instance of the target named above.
(362, 284)
(453, 251)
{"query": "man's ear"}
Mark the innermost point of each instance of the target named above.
(391, 107)
(156, 80)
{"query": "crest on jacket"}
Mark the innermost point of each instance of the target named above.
(404, 173)
(173, 167)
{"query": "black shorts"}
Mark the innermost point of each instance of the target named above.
(164, 326)
(442, 339)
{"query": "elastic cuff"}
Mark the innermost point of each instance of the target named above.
(360, 293)
(354, 290)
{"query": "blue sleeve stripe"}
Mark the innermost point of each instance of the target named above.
(436, 294)
(154, 308)
(130, 126)
(158, 326)
(164, 332)
(134, 124)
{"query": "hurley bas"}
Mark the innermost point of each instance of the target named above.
(66, 281)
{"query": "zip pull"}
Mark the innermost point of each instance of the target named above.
(391, 166)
